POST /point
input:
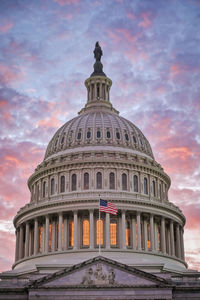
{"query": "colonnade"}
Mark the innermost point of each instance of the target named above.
(78, 229)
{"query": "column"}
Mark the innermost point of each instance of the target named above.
(172, 238)
(17, 245)
(139, 231)
(123, 229)
(152, 232)
(178, 242)
(145, 236)
(46, 247)
(134, 233)
(27, 237)
(36, 237)
(163, 240)
(91, 229)
(60, 222)
(53, 235)
(182, 244)
(75, 229)
(65, 233)
(107, 231)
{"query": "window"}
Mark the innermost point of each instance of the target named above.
(52, 186)
(44, 189)
(112, 181)
(41, 239)
(145, 186)
(126, 137)
(79, 135)
(134, 139)
(88, 135)
(98, 91)
(86, 181)
(98, 134)
(135, 183)
(101, 232)
(37, 192)
(108, 134)
(99, 180)
(124, 182)
(62, 141)
(153, 188)
(62, 184)
(160, 189)
(71, 233)
(86, 232)
(74, 182)
(118, 135)
(113, 232)
(128, 233)
(141, 142)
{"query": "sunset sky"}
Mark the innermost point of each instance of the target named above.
(151, 51)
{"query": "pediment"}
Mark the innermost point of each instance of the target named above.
(100, 272)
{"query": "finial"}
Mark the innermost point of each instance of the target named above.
(98, 67)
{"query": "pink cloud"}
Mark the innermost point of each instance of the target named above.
(11, 74)
(146, 20)
(6, 27)
(66, 2)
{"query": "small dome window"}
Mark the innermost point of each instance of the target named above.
(62, 141)
(118, 135)
(141, 142)
(98, 134)
(88, 134)
(134, 139)
(108, 134)
(126, 137)
(79, 135)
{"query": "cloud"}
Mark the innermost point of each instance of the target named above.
(66, 2)
(6, 27)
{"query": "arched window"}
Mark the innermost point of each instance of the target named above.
(41, 239)
(52, 186)
(98, 134)
(113, 232)
(86, 232)
(153, 188)
(160, 189)
(118, 135)
(98, 91)
(74, 182)
(62, 184)
(134, 139)
(99, 180)
(126, 137)
(101, 232)
(108, 134)
(124, 182)
(79, 135)
(71, 233)
(37, 192)
(86, 181)
(135, 183)
(88, 134)
(112, 181)
(128, 233)
(44, 189)
(145, 186)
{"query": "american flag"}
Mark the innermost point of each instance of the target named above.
(108, 207)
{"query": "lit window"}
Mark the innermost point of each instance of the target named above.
(101, 232)
(153, 188)
(86, 181)
(113, 232)
(98, 134)
(135, 183)
(74, 182)
(86, 233)
(108, 134)
(99, 180)
(128, 234)
(124, 182)
(112, 181)
(41, 233)
(50, 237)
(145, 186)
(52, 186)
(118, 135)
(62, 184)
(71, 233)
(44, 189)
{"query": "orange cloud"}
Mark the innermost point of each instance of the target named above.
(10, 74)
(181, 152)
(6, 27)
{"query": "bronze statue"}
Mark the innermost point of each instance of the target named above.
(97, 52)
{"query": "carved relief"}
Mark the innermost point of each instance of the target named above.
(98, 276)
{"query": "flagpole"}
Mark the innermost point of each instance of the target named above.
(99, 229)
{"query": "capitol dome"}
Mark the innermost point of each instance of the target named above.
(99, 154)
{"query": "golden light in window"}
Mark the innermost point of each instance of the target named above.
(40, 239)
(86, 233)
(71, 233)
(128, 234)
(50, 237)
(101, 232)
(113, 233)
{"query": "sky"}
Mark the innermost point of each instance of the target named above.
(151, 51)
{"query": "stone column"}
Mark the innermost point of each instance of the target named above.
(65, 233)
(139, 247)
(21, 242)
(91, 229)
(163, 239)
(27, 237)
(182, 244)
(60, 222)
(36, 236)
(53, 235)
(134, 233)
(17, 245)
(107, 231)
(47, 234)
(75, 229)
(172, 238)
(152, 232)
(145, 236)
(123, 229)
(178, 242)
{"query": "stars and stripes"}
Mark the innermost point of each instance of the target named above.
(107, 207)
